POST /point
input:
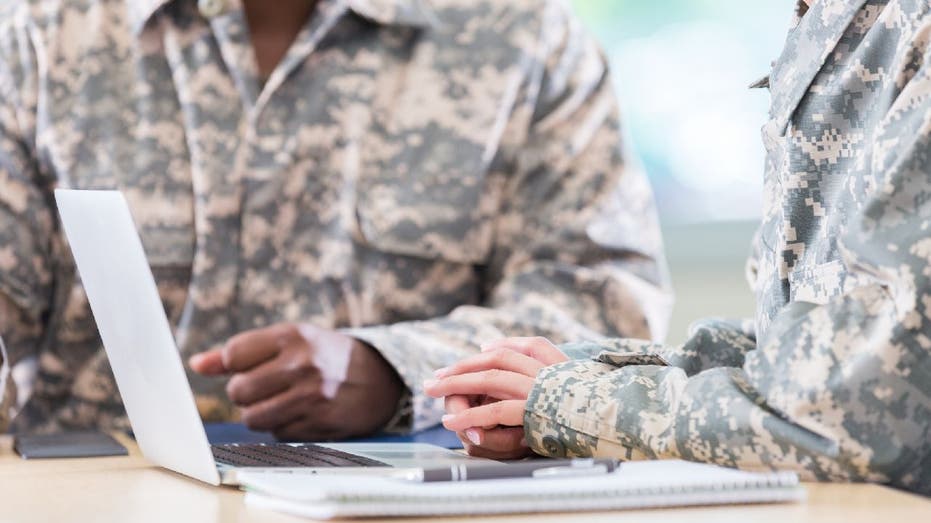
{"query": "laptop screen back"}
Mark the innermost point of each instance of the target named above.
(135, 332)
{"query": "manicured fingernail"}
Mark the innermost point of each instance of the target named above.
(473, 436)
(447, 417)
(440, 373)
(429, 383)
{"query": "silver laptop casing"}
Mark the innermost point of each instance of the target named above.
(145, 360)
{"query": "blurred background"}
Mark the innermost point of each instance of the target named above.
(682, 68)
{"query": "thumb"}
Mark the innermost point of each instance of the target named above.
(208, 363)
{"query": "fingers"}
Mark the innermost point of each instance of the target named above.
(263, 381)
(456, 403)
(537, 347)
(250, 348)
(208, 363)
(507, 412)
(500, 384)
(482, 452)
(501, 439)
(282, 409)
(502, 359)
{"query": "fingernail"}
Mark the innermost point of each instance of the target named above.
(429, 383)
(440, 373)
(447, 417)
(473, 436)
(484, 347)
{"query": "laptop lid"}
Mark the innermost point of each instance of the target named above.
(135, 332)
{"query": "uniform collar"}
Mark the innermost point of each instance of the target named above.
(411, 13)
(141, 11)
(807, 47)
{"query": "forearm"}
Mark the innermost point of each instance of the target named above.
(562, 305)
(824, 395)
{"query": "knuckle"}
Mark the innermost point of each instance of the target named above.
(236, 389)
(250, 418)
(300, 362)
(497, 356)
(309, 390)
(229, 351)
(289, 330)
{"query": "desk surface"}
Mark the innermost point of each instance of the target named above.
(130, 489)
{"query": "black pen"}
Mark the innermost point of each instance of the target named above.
(539, 468)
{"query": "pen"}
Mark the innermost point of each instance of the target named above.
(542, 468)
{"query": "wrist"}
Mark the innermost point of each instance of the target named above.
(388, 389)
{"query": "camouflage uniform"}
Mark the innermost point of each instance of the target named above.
(7, 393)
(833, 379)
(424, 176)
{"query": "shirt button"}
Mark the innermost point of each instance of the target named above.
(210, 8)
(554, 447)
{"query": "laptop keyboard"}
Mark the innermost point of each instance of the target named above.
(285, 455)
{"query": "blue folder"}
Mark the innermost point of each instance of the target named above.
(219, 433)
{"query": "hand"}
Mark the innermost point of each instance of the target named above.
(486, 394)
(305, 383)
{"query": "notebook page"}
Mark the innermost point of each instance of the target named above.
(632, 478)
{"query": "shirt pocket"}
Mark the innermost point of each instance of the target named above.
(439, 209)
(167, 233)
(818, 283)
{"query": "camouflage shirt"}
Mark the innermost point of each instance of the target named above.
(7, 393)
(423, 175)
(833, 379)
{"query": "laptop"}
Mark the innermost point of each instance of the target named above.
(151, 377)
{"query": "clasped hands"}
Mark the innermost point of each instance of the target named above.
(486, 394)
(306, 383)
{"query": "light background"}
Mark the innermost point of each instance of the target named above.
(682, 70)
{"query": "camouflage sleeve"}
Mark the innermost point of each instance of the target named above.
(836, 391)
(711, 343)
(577, 252)
(26, 229)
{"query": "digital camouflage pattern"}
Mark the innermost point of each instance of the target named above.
(834, 379)
(424, 175)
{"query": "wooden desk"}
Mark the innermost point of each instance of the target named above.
(128, 489)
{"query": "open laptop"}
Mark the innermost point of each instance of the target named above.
(151, 377)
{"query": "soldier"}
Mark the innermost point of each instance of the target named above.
(833, 380)
(338, 196)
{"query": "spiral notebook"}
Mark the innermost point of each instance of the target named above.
(642, 484)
